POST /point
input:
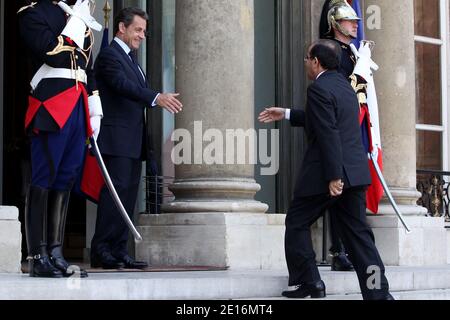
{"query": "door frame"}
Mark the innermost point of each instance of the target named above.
(293, 31)
(2, 46)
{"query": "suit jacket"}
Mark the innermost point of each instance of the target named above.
(40, 26)
(125, 94)
(335, 150)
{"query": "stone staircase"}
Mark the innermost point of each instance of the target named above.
(427, 283)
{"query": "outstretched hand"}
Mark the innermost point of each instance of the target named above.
(272, 115)
(170, 102)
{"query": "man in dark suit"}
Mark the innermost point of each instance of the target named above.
(125, 94)
(334, 176)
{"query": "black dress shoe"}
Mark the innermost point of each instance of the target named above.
(130, 263)
(388, 297)
(106, 261)
(340, 262)
(315, 290)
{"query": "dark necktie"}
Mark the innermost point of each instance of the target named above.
(133, 57)
(136, 65)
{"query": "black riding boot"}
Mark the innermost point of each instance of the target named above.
(57, 213)
(340, 261)
(36, 233)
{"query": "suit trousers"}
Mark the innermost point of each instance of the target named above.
(111, 231)
(349, 213)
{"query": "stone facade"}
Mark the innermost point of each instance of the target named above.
(223, 240)
(10, 240)
(212, 239)
(214, 220)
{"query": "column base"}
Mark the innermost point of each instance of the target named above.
(233, 195)
(215, 206)
(10, 240)
(425, 246)
(406, 200)
(222, 240)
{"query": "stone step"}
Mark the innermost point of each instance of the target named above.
(437, 294)
(400, 279)
(244, 284)
(405, 295)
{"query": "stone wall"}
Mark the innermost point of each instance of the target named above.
(10, 240)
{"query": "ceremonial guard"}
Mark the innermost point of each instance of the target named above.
(64, 110)
(339, 22)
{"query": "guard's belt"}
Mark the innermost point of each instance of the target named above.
(47, 72)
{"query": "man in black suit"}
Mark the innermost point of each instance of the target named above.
(125, 94)
(334, 176)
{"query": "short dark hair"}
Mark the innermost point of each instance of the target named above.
(126, 15)
(328, 52)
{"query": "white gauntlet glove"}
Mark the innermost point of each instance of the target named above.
(95, 113)
(80, 19)
(75, 29)
(365, 64)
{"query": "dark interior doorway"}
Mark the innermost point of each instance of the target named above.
(16, 154)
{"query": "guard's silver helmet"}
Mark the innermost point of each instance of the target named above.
(340, 10)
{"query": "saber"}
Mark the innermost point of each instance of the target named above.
(389, 194)
(113, 191)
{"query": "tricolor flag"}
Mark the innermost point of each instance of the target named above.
(370, 126)
(105, 39)
(375, 191)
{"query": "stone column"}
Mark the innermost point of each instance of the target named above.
(395, 82)
(391, 25)
(214, 220)
(215, 75)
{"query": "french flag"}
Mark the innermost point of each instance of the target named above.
(370, 126)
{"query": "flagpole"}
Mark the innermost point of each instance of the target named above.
(107, 10)
(105, 39)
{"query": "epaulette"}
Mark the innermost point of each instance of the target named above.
(26, 7)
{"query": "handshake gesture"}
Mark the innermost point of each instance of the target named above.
(272, 114)
(170, 102)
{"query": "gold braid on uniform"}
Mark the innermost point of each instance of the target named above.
(360, 87)
(87, 56)
(86, 53)
(26, 7)
(61, 48)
